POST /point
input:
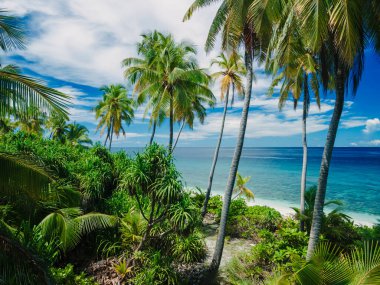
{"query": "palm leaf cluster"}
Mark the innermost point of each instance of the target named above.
(114, 110)
(330, 266)
(19, 92)
(168, 79)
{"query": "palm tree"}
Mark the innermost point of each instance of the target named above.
(241, 188)
(56, 123)
(170, 78)
(246, 23)
(232, 70)
(31, 121)
(138, 70)
(19, 92)
(77, 134)
(114, 110)
(335, 32)
(288, 53)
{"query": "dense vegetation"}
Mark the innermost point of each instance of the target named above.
(72, 213)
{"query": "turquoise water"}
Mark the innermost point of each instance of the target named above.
(275, 173)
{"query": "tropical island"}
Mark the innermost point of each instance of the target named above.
(78, 211)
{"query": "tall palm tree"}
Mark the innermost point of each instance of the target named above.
(138, 71)
(335, 31)
(287, 53)
(19, 92)
(170, 79)
(114, 110)
(77, 134)
(230, 75)
(246, 23)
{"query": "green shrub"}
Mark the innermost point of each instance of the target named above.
(120, 203)
(67, 276)
(215, 205)
(246, 221)
(283, 250)
(156, 270)
(189, 249)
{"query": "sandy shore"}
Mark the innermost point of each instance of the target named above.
(285, 208)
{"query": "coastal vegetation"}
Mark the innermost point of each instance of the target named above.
(77, 212)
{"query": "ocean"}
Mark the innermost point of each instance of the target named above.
(354, 176)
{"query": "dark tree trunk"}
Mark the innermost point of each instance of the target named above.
(153, 132)
(216, 155)
(179, 134)
(325, 164)
(305, 109)
(171, 122)
(215, 263)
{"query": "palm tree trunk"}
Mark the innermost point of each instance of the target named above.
(304, 159)
(111, 136)
(233, 94)
(234, 166)
(108, 136)
(216, 155)
(325, 164)
(179, 133)
(153, 132)
(171, 122)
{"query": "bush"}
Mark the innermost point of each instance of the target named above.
(215, 205)
(156, 270)
(246, 222)
(67, 276)
(282, 250)
(189, 249)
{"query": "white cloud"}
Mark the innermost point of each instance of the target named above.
(375, 142)
(372, 125)
(85, 41)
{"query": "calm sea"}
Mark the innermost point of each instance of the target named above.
(275, 174)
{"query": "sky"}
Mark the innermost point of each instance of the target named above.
(77, 46)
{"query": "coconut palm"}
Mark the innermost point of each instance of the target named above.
(288, 53)
(335, 32)
(170, 77)
(138, 70)
(31, 121)
(56, 123)
(77, 134)
(230, 75)
(241, 189)
(246, 23)
(19, 92)
(114, 110)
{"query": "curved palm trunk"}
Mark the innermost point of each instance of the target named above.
(234, 166)
(179, 134)
(171, 122)
(325, 165)
(108, 135)
(216, 155)
(304, 159)
(153, 132)
(111, 136)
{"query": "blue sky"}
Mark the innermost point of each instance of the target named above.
(76, 46)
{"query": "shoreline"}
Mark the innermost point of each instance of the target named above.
(284, 207)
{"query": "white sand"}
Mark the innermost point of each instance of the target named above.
(284, 207)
